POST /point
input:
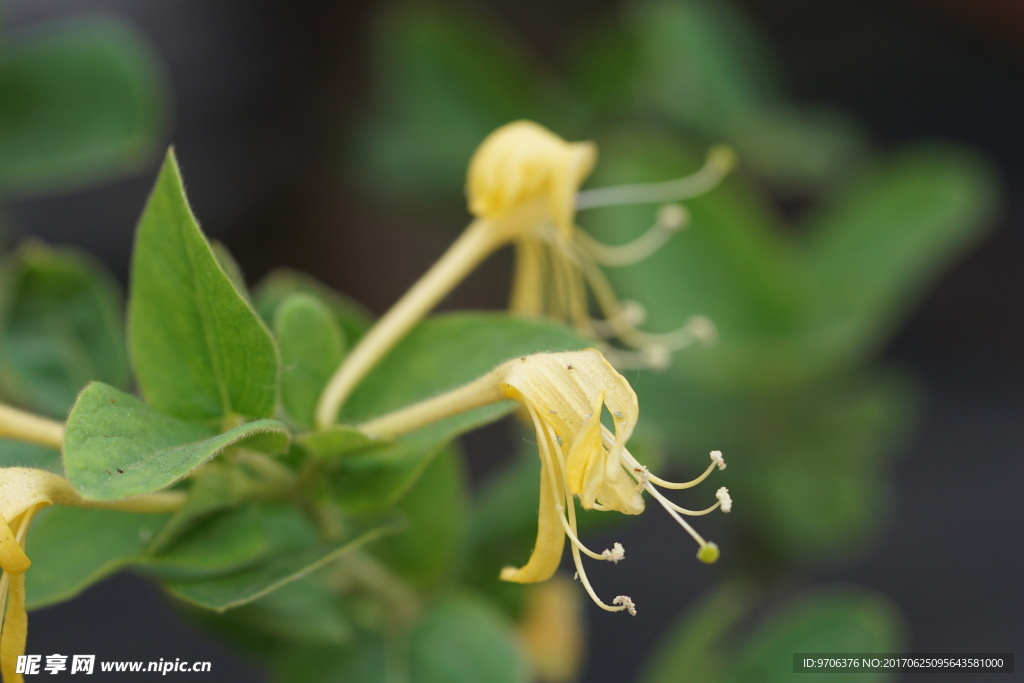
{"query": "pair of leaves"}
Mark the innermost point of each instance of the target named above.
(79, 101)
(202, 358)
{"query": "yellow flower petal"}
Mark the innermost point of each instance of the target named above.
(547, 551)
(15, 630)
(523, 161)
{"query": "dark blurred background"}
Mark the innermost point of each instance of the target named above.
(262, 95)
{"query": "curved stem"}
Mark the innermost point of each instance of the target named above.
(472, 247)
(480, 392)
(21, 426)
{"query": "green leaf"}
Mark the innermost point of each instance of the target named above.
(60, 327)
(198, 348)
(452, 76)
(116, 446)
(834, 619)
(312, 347)
(233, 590)
(702, 63)
(366, 660)
(219, 544)
(214, 488)
(693, 645)
(487, 646)
(304, 611)
(282, 283)
(73, 548)
(435, 509)
(80, 102)
(101, 542)
(888, 234)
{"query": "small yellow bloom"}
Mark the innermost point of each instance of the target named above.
(568, 396)
(23, 493)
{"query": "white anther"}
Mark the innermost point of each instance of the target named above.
(626, 602)
(616, 554)
(673, 216)
(724, 498)
(716, 457)
(702, 329)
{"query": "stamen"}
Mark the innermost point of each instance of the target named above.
(724, 499)
(616, 554)
(633, 465)
(671, 218)
(627, 603)
(582, 574)
(630, 315)
(720, 161)
(717, 459)
(694, 513)
(670, 508)
(683, 485)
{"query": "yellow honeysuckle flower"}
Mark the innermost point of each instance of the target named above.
(567, 396)
(23, 493)
(523, 189)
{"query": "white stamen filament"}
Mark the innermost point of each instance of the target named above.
(719, 162)
(636, 250)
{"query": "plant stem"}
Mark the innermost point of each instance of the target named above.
(161, 502)
(477, 242)
(21, 426)
(480, 392)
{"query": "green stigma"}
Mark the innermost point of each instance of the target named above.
(708, 554)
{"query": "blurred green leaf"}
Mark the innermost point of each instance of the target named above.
(219, 544)
(435, 509)
(450, 74)
(283, 283)
(311, 346)
(366, 660)
(73, 548)
(80, 101)
(116, 446)
(303, 611)
(702, 63)
(884, 236)
(102, 542)
(704, 67)
(60, 327)
(198, 349)
(486, 645)
(295, 559)
(833, 619)
(693, 646)
(214, 487)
